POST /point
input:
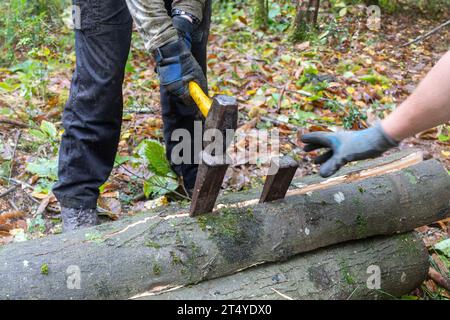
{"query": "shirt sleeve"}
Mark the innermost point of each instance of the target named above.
(194, 7)
(154, 22)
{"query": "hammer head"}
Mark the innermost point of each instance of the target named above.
(222, 116)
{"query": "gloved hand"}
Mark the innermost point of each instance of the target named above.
(347, 146)
(185, 29)
(176, 67)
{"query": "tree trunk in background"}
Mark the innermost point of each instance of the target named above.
(399, 264)
(316, 12)
(166, 248)
(305, 19)
(261, 14)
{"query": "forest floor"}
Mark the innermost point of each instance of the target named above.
(346, 76)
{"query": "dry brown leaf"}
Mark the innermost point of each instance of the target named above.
(43, 205)
(11, 215)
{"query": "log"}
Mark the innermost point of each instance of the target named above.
(375, 268)
(165, 247)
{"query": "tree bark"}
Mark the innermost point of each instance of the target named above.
(375, 268)
(166, 248)
(305, 18)
(262, 14)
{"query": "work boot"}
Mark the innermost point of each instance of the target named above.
(74, 219)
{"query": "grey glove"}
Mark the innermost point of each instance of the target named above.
(347, 146)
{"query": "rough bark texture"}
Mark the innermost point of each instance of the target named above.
(305, 18)
(167, 248)
(352, 270)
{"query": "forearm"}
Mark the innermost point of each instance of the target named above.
(426, 108)
(154, 22)
(194, 7)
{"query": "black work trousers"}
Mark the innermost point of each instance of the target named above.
(93, 114)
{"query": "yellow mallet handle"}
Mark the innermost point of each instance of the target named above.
(201, 99)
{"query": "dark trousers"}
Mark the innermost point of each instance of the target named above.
(93, 114)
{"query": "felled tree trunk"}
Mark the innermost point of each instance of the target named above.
(375, 268)
(166, 248)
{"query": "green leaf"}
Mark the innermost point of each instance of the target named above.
(348, 74)
(370, 78)
(156, 157)
(44, 168)
(121, 159)
(49, 128)
(7, 87)
(444, 247)
(375, 79)
(44, 186)
(36, 224)
(159, 186)
(283, 118)
(38, 134)
(310, 69)
(409, 297)
(301, 115)
(5, 168)
(443, 138)
(274, 11)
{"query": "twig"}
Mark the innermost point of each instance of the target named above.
(439, 278)
(426, 35)
(8, 191)
(23, 184)
(12, 122)
(11, 167)
(13, 205)
(299, 92)
(280, 98)
(278, 122)
(143, 179)
(139, 197)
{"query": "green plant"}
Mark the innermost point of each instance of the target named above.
(44, 269)
(164, 180)
(46, 134)
(28, 24)
(227, 12)
(37, 224)
(47, 171)
(278, 13)
(31, 78)
(354, 116)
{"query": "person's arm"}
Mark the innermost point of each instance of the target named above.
(167, 36)
(427, 107)
(155, 23)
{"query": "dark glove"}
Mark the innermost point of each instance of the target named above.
(185, 29)
(347, 146)
(176, 67)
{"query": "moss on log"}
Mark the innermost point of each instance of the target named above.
(166, 248)
(375, 268)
